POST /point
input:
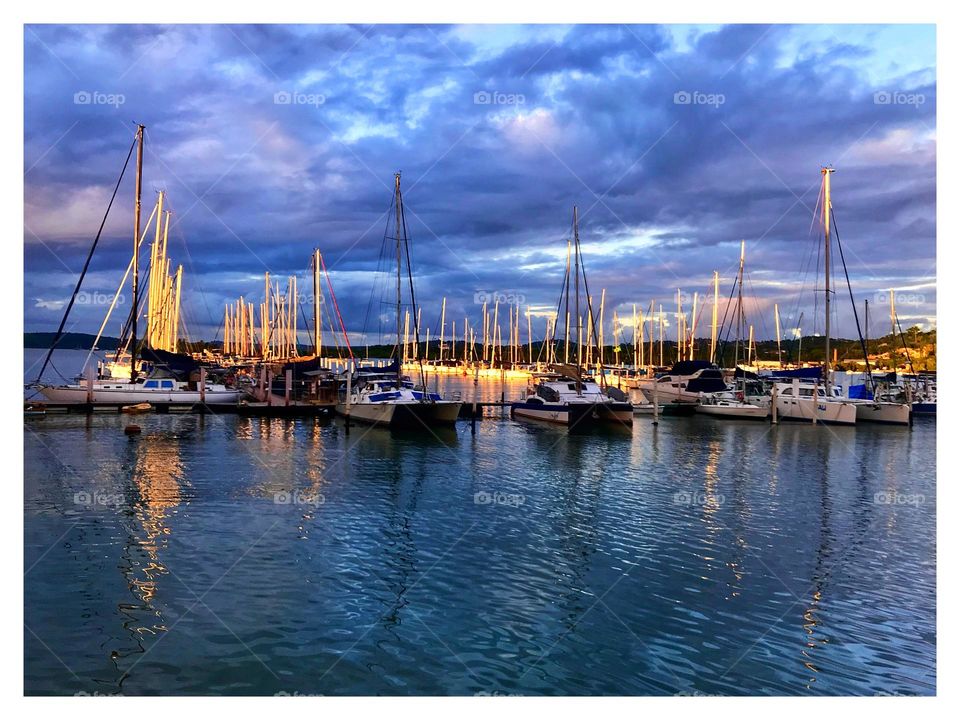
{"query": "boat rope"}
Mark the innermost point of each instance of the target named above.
(413, 298)
(856, 316)
(86, 264)
(336, 307)
(896, 317)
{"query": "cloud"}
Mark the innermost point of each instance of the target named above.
(675, 143)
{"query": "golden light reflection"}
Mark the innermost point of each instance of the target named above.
(158, 477)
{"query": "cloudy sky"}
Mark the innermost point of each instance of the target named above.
(676, 143)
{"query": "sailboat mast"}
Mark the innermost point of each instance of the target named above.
(399, 269)
(576, 273)
(740, 317)
(713, 323)
(317, 324)
(826, 172)
(136, 254)
(776, 315)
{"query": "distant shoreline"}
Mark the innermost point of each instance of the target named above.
(69, 341)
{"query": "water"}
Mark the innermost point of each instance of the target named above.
(218, 554)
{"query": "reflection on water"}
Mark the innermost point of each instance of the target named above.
(691, 557)
(155, 478)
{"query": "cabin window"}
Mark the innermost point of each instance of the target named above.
(167, 384)
(150, 384)
(788, 391)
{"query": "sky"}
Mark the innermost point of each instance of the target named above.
(676, 143)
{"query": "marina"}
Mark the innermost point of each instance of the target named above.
(590, 360)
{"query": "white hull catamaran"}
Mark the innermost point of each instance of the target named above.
(566, 397)
(389, 398)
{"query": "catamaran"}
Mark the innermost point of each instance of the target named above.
(385, 396)
(565, 396)
(561, 397)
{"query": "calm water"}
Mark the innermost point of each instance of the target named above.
(247, 556)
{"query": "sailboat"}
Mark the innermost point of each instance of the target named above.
(817, 402)
(564, 396)
(733, 404)
(173, 379)
(873, 409)
(385, 396)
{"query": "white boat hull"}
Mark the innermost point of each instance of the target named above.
(411, 415)
(666, 394)
(890, 413)
(76, 395)
(824, 411)
(735, 412)
(576, 414)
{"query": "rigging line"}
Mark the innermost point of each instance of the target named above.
(904, 341)
(722, 341)
(193, 269)
(303, 315)
(856, 316)
(413, 299)
(86, 264)
(336, 307)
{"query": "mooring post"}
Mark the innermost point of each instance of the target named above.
(349, 390)
(656, 401)
(816, 400)
(203, 388)
(773, 404)
(287, 383)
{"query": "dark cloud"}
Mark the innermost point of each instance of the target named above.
(673, 152)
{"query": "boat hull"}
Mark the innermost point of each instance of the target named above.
(735, 412)
(575, 415)
(411, 416)
(115, 396)
(889, 413)
(825, 412)
(668, 394)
